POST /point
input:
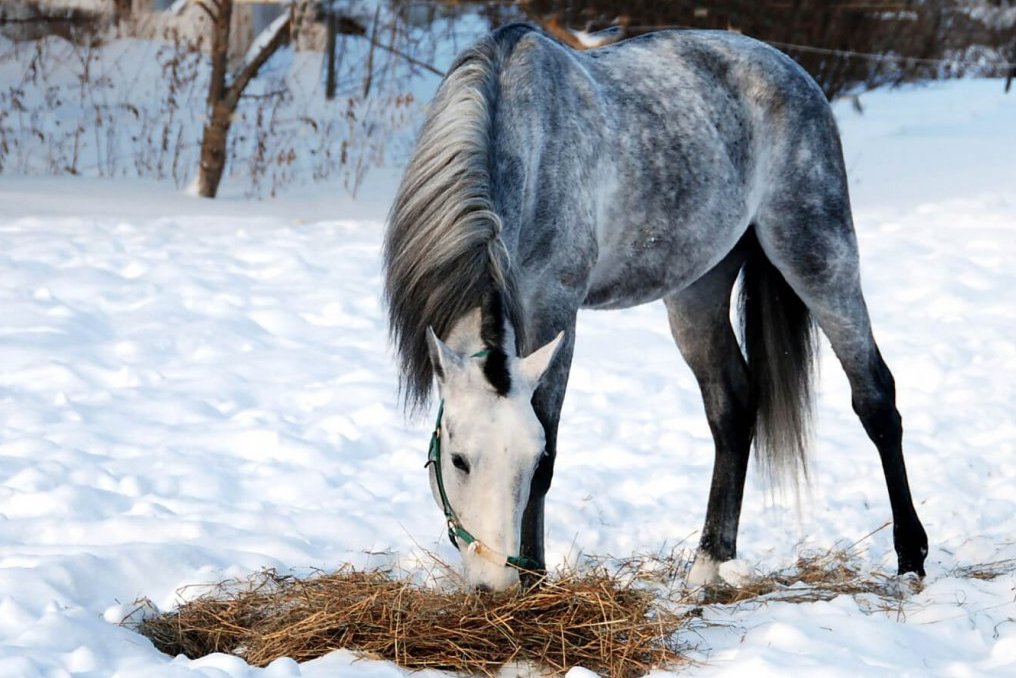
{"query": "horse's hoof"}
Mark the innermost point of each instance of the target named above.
(704, 571)
(911, 566)
(910, 556)
(911, 545)
(532, 579)
(908, 584)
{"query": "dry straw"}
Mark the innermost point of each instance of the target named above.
(620, 619)
(815, 576)
(601, 622)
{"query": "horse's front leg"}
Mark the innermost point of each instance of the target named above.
(547, 401)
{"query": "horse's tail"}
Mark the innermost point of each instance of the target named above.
(443, 250)
(780, 342)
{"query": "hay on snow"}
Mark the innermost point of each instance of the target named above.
(610, 626)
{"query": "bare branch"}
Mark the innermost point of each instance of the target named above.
(347, 25)
(369, 76)
(178, 7)
(261, 51)
(206, 9)
(414, 61)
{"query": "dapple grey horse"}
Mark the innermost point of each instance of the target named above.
(666, 166)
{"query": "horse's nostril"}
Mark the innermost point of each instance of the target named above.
(484, 588)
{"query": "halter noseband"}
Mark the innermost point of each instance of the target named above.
(455, 528)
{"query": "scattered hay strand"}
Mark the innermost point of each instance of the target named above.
(814, 577)
(595, 620)
(987, 571)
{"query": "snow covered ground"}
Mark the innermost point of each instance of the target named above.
(194, 390)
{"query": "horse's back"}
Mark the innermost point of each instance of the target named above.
(719, 103)
(654, 154)
(710, 131)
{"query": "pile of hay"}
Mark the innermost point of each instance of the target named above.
(609, 625)
(620, 618)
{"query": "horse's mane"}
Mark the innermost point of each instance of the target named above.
(443, 253)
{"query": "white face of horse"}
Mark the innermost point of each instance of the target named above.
(490, 447)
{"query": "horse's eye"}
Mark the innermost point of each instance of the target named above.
(459, 462)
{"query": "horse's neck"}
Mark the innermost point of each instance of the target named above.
(465, 337)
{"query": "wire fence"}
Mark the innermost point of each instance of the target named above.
(136, 108)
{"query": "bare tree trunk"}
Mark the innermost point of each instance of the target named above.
(213, 149)
(330, 55)
(216, 130)
(122, 10)
(224, 96)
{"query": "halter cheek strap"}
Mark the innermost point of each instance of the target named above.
(455, 529)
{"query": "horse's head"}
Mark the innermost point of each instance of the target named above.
(485, 450)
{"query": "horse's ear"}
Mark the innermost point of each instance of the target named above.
(534, 365)
(442, 358)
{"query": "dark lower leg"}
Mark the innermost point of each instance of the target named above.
(719, 534)
(532, 546)
(532, 534)
(730, 419)
(547, 403)
(874, 402)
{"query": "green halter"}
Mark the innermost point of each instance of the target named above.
(455, 529)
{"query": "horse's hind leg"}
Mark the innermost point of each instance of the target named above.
(814, 247)
(700, 322)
